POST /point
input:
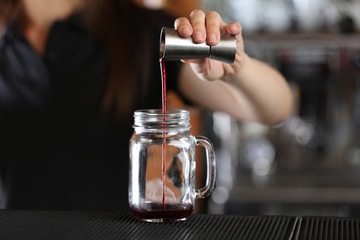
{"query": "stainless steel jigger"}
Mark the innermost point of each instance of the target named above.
(175, 47)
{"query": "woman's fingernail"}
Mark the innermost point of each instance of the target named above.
(211, 38)
(233, 28)
(197, 36)
(185, 30)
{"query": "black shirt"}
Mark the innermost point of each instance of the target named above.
(57, 151)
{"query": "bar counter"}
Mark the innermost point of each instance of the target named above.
(64, 225)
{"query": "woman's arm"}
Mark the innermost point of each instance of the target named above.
(248, 89)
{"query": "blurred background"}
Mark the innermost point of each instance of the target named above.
(309, 164)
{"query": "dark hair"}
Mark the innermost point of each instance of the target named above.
(9, 9)
(111, 21)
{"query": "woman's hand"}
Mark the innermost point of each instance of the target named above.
(208, 28)
(250, 90)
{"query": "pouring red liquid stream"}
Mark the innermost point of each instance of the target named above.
(163, 82)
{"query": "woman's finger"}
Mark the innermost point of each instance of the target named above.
(213, 23)
(197, 20)
(183, 26)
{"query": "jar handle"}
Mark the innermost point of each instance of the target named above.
(210, 167)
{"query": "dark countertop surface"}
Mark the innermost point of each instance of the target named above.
(36, 224)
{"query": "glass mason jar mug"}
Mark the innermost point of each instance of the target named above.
(162, 166)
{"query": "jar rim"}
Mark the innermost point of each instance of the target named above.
(155, 118)
(156, 112)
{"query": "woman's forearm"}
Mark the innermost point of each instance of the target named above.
(265, 88)
(257, 93)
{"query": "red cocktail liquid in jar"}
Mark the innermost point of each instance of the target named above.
(160, 213)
